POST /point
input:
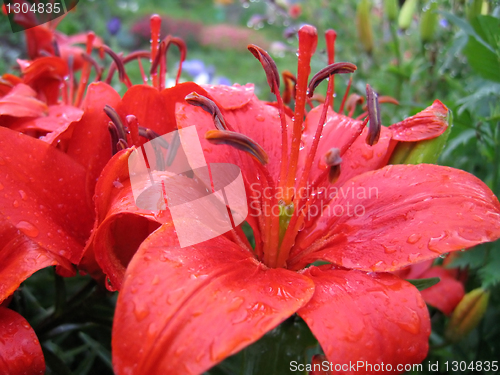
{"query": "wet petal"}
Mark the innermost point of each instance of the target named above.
(373, 318)
(21, 101)
(427, 124)
(42, 196)
(120, 226)
(399, 215)
(446, 294)
(20, 351)
(184, 310)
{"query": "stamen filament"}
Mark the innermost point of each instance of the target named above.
(155, 24)
(84, 78)
(330, 36)
(299, 201)
(341, 109)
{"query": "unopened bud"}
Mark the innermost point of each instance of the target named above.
(467, 314)
(406, 14)
(364, 25)
(428, 22)
(391, 9)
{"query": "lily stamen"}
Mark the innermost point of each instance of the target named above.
(238, 141)
(118, 60)
(84, 78)
(375, 125)
(117, 121)
(208, 106)
(330, 37)
(342, 104)
(333, 160)
(273, 80)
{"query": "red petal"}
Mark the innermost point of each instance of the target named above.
(20, 351)
(181, 311)
(20, 257)
(88, 141)
(21, 101)
(231, 97)
(427, 124)
(59, 117)
(42, 196)
(446, 294)
(120, 225)
(373, 318)
(156, 110)
(412, 213)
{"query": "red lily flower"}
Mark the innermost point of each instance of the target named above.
(184, 310)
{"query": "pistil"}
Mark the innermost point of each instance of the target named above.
(308, 39)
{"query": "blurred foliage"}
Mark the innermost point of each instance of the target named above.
(448, 50)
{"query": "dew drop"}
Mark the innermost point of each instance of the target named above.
(260, 118)
(414, 238)
(27, 228)
(15, 203)
(22, 194)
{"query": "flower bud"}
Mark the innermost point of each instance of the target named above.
(428, 22)
(391, 9)
(364, 25)
(474, 8)
(467, 314)
(406, 14)
(424, 151)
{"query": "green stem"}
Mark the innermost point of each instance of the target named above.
(397, 51)
(496, 161)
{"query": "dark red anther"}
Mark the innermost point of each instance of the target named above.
(272, 74)
(238, 141)
(208, 106)
(336, 68)
(117, 121)
(375, 125)
(333, 160)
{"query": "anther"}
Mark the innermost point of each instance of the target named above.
(272, 74)
(333, 160)
(238, 141)
(208, 106)
(375, 124)
(290, 81)
(117, 121)
(335, 68)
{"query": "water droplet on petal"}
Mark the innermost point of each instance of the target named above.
(414, 238)
(22, 194)
(260, 118)
(1, 186)
(27, 228)
(15, 203)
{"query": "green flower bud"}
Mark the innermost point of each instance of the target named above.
(427, 151)
(391, 8)
(406, 14)
(473, 8)
(428, 22)
(467, 314)
(364, 25)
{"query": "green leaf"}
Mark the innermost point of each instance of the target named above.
(485, 62)
(422, 284)
(272, 354)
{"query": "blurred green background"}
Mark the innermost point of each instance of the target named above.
(415, 51)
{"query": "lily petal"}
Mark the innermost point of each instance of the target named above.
(21, 101)
(373, 318)
(184, 310)
(427, 124)
(42, 196)
(120, 226)
(405, 214)
(20, 351)
(446, 294)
